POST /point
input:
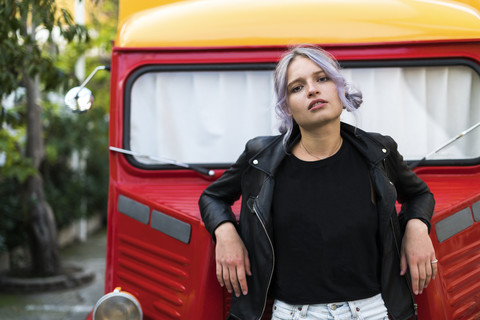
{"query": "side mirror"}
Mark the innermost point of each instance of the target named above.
(80, 99)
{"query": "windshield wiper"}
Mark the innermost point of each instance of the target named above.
(463, 133)
(201, 170)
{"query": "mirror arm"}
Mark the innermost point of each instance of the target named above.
(90, 76)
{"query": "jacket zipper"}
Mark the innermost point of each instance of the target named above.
(415, 306)
(273, 259)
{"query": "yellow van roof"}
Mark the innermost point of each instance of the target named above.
(220, 23)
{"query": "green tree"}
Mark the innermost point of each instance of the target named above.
(74, 193)
(14, 170)
(28, 48)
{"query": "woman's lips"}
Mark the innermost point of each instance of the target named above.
(316, 104)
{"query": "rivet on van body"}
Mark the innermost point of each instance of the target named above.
(384, 150)
(255, 161)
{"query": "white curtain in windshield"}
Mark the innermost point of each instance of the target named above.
(200, 117)
(207, 116)
(421, 108)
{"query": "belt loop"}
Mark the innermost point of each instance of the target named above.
(304, 310)
(353, 309)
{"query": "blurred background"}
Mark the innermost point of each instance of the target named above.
(53, 163)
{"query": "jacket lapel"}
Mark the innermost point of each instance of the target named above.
(374, 152)
(370, 148)
(269, 158)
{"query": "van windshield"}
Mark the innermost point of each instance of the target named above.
(206, 117)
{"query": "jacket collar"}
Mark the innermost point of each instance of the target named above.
(269, 157)
(367, 144)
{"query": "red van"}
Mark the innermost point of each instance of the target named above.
(191, 82)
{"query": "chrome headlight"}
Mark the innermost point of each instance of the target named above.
(118, 305)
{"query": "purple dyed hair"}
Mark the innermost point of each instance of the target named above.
(351, 98)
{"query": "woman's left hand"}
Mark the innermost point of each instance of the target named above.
(417, 254)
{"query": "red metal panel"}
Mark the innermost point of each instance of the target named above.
(171, 279)
(374, 51)
(177, 281)
(455, 294)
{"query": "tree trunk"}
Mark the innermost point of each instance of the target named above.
(41, 226)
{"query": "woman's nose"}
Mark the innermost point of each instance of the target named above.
(313, 89)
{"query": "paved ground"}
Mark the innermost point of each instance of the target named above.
(74, 304)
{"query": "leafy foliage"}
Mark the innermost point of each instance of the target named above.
(12, 228)
(76, 168)
(51, 53)
(77, 193)
(14, 171)
(27, 41)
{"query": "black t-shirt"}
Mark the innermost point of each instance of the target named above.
(325, 230)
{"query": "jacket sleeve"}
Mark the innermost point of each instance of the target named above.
(412, 193)
(216, 200)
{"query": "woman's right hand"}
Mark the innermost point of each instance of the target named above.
(232, 261)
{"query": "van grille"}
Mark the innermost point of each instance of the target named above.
(462, 279)
(156, 272)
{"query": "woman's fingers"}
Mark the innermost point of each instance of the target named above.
(434, 264)
(428, 272)
(422, 276)
(242, 280)
(233, 277)
(232, 263)
(417, 250)
(220, 274)
(422, 272)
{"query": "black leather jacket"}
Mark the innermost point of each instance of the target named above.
(253, 178)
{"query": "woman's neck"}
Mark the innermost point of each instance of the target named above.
(318, 144)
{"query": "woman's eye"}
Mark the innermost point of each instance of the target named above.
(296, 89)
(322, 79)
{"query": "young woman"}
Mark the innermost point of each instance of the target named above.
(318, 228)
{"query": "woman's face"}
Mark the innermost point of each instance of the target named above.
(312, 97)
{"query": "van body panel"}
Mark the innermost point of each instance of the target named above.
(157, 246)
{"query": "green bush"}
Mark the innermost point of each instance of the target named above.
(14, 170)
(76, 190)
(12, 231)
(71, 192)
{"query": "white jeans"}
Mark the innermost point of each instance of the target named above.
(364, 309)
